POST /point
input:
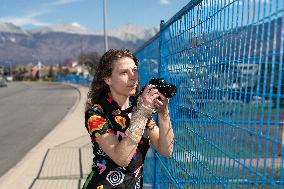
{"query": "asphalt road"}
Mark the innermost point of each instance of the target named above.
(28, 112)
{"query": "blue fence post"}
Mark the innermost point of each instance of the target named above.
(227, 61)
(160, 49)
(156, 171)
(156, 175)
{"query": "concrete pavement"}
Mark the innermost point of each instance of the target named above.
(61, 160)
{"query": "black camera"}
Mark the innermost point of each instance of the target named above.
(167, 89)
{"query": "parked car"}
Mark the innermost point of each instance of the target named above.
(9, 78)
(3, 82)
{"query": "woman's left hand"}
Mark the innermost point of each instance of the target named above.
(161, 104)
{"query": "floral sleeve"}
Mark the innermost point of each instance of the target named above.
(96, 122)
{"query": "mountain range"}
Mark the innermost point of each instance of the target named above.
(54, 44)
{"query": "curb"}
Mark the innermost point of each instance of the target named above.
(25, 171)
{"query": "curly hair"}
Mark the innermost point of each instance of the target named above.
(104, 70)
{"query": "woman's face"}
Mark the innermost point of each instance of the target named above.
(124, 78)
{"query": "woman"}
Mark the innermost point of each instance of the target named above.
(120, 125)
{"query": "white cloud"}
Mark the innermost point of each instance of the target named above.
(31, 18)
(21, 21)
(37, 13)
(165, 2)
(62, 2)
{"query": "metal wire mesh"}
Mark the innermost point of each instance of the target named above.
(226, 58)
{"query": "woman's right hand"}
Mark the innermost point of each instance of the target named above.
(149, 95)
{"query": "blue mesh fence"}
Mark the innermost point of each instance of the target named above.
(226, 58)
(77, 79)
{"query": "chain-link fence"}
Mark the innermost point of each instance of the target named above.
(77, 79)
(226, 58)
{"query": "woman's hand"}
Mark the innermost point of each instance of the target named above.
(149, 96)
(153, 98)
(161, 104)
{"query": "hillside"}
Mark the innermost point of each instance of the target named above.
(54, 44)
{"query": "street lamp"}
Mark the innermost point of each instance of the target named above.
(105, 29)
(10, 65)
(39, 70)
(38, 65)
(10, 78)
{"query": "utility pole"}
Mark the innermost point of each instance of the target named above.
(10, 78)
(59, 56)
(10, 69)
(105, 29)
(39, 70)
(37, 58)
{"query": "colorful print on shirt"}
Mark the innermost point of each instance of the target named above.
(106, 116)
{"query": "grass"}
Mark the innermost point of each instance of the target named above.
(224, 133)
(221, 140)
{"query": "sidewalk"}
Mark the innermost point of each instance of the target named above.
(61, 160)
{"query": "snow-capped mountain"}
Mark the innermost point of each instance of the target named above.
(58, 42)
(11, 28)
(73, 28)
(129, 32)
(132, 32)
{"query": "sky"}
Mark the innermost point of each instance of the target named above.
(32, 14)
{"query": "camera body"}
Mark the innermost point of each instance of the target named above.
(167, 89)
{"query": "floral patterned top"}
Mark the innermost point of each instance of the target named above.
(106, 116)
